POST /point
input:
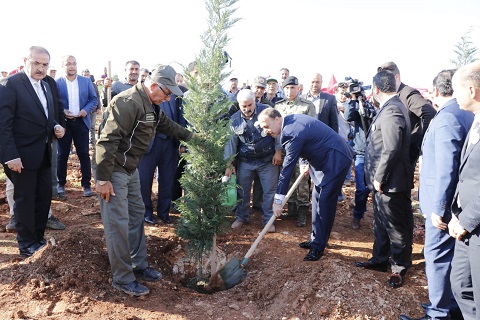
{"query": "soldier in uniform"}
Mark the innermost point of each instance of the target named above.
(294, 104)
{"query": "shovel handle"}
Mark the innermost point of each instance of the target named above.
(272, 219)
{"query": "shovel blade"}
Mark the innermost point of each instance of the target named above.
(233, 273)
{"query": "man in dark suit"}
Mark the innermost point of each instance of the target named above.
(328, 156)
(388, 176)
(420, 111)
(27, 123)
(162, 155)
(325, 104)
(464, 226)
(79, 99)
(441, 150)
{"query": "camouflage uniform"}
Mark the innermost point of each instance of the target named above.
(298, 106)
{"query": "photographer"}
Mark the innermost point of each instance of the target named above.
(360, 113)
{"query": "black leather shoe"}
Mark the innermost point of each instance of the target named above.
(167, 220)
(425, 305)
(404, 317)
(151, 220)
(396, 281)
(313, 255)
(382, 267)
(305, 244)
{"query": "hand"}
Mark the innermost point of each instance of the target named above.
(15, 165)
(304, 168)
(82, 113)
(438, 222)
(455, 229)
(229, 171)
(59, 131)
(107, 83)
(277, 158)
(378, 186)
(68, 114)
(277, 209)
(105, 191)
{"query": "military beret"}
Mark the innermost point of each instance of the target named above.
(290, 80)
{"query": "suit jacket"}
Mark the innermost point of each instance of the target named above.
(329, 113)
(59, 115)
(328, 110)
(327, 153)
(441, 150)
(24, 127)
(387, 148)
(466, 203)
(173, 109)
(87, 95)
(420, 112)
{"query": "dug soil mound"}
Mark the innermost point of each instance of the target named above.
(70, 278)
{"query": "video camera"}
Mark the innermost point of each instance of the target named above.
(356, 86)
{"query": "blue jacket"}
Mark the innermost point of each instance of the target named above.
(173, 109)
(247, 141)
(441, 150)
(87, 95)
(327, 153)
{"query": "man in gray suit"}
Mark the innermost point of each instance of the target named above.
(465, 222)
(388, 176)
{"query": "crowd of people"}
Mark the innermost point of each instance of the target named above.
(277, 133)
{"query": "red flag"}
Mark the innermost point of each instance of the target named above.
(331, 85)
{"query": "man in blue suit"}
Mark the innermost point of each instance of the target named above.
(162, 155)
(441, 148)
(465, 223)
(328, 156)
(78, 98)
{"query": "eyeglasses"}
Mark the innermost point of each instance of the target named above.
(388, 68)
(37, 64)
(166, 94)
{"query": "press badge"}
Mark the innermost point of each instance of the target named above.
(150, 116)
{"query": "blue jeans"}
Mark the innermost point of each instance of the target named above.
(361, 191)
(268, 175)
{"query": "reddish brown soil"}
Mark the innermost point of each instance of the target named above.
(70, 278)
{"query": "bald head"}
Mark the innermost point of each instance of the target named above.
(466, 87)
(316, 84)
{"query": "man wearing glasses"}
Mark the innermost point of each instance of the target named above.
(27, 124)
(128, 127)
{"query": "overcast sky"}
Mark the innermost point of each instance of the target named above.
(344, 38)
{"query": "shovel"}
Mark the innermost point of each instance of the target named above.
(233, 273)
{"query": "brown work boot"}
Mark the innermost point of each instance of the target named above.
(302, 216)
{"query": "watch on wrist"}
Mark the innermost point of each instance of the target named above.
(101, 182)
(277, 201)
